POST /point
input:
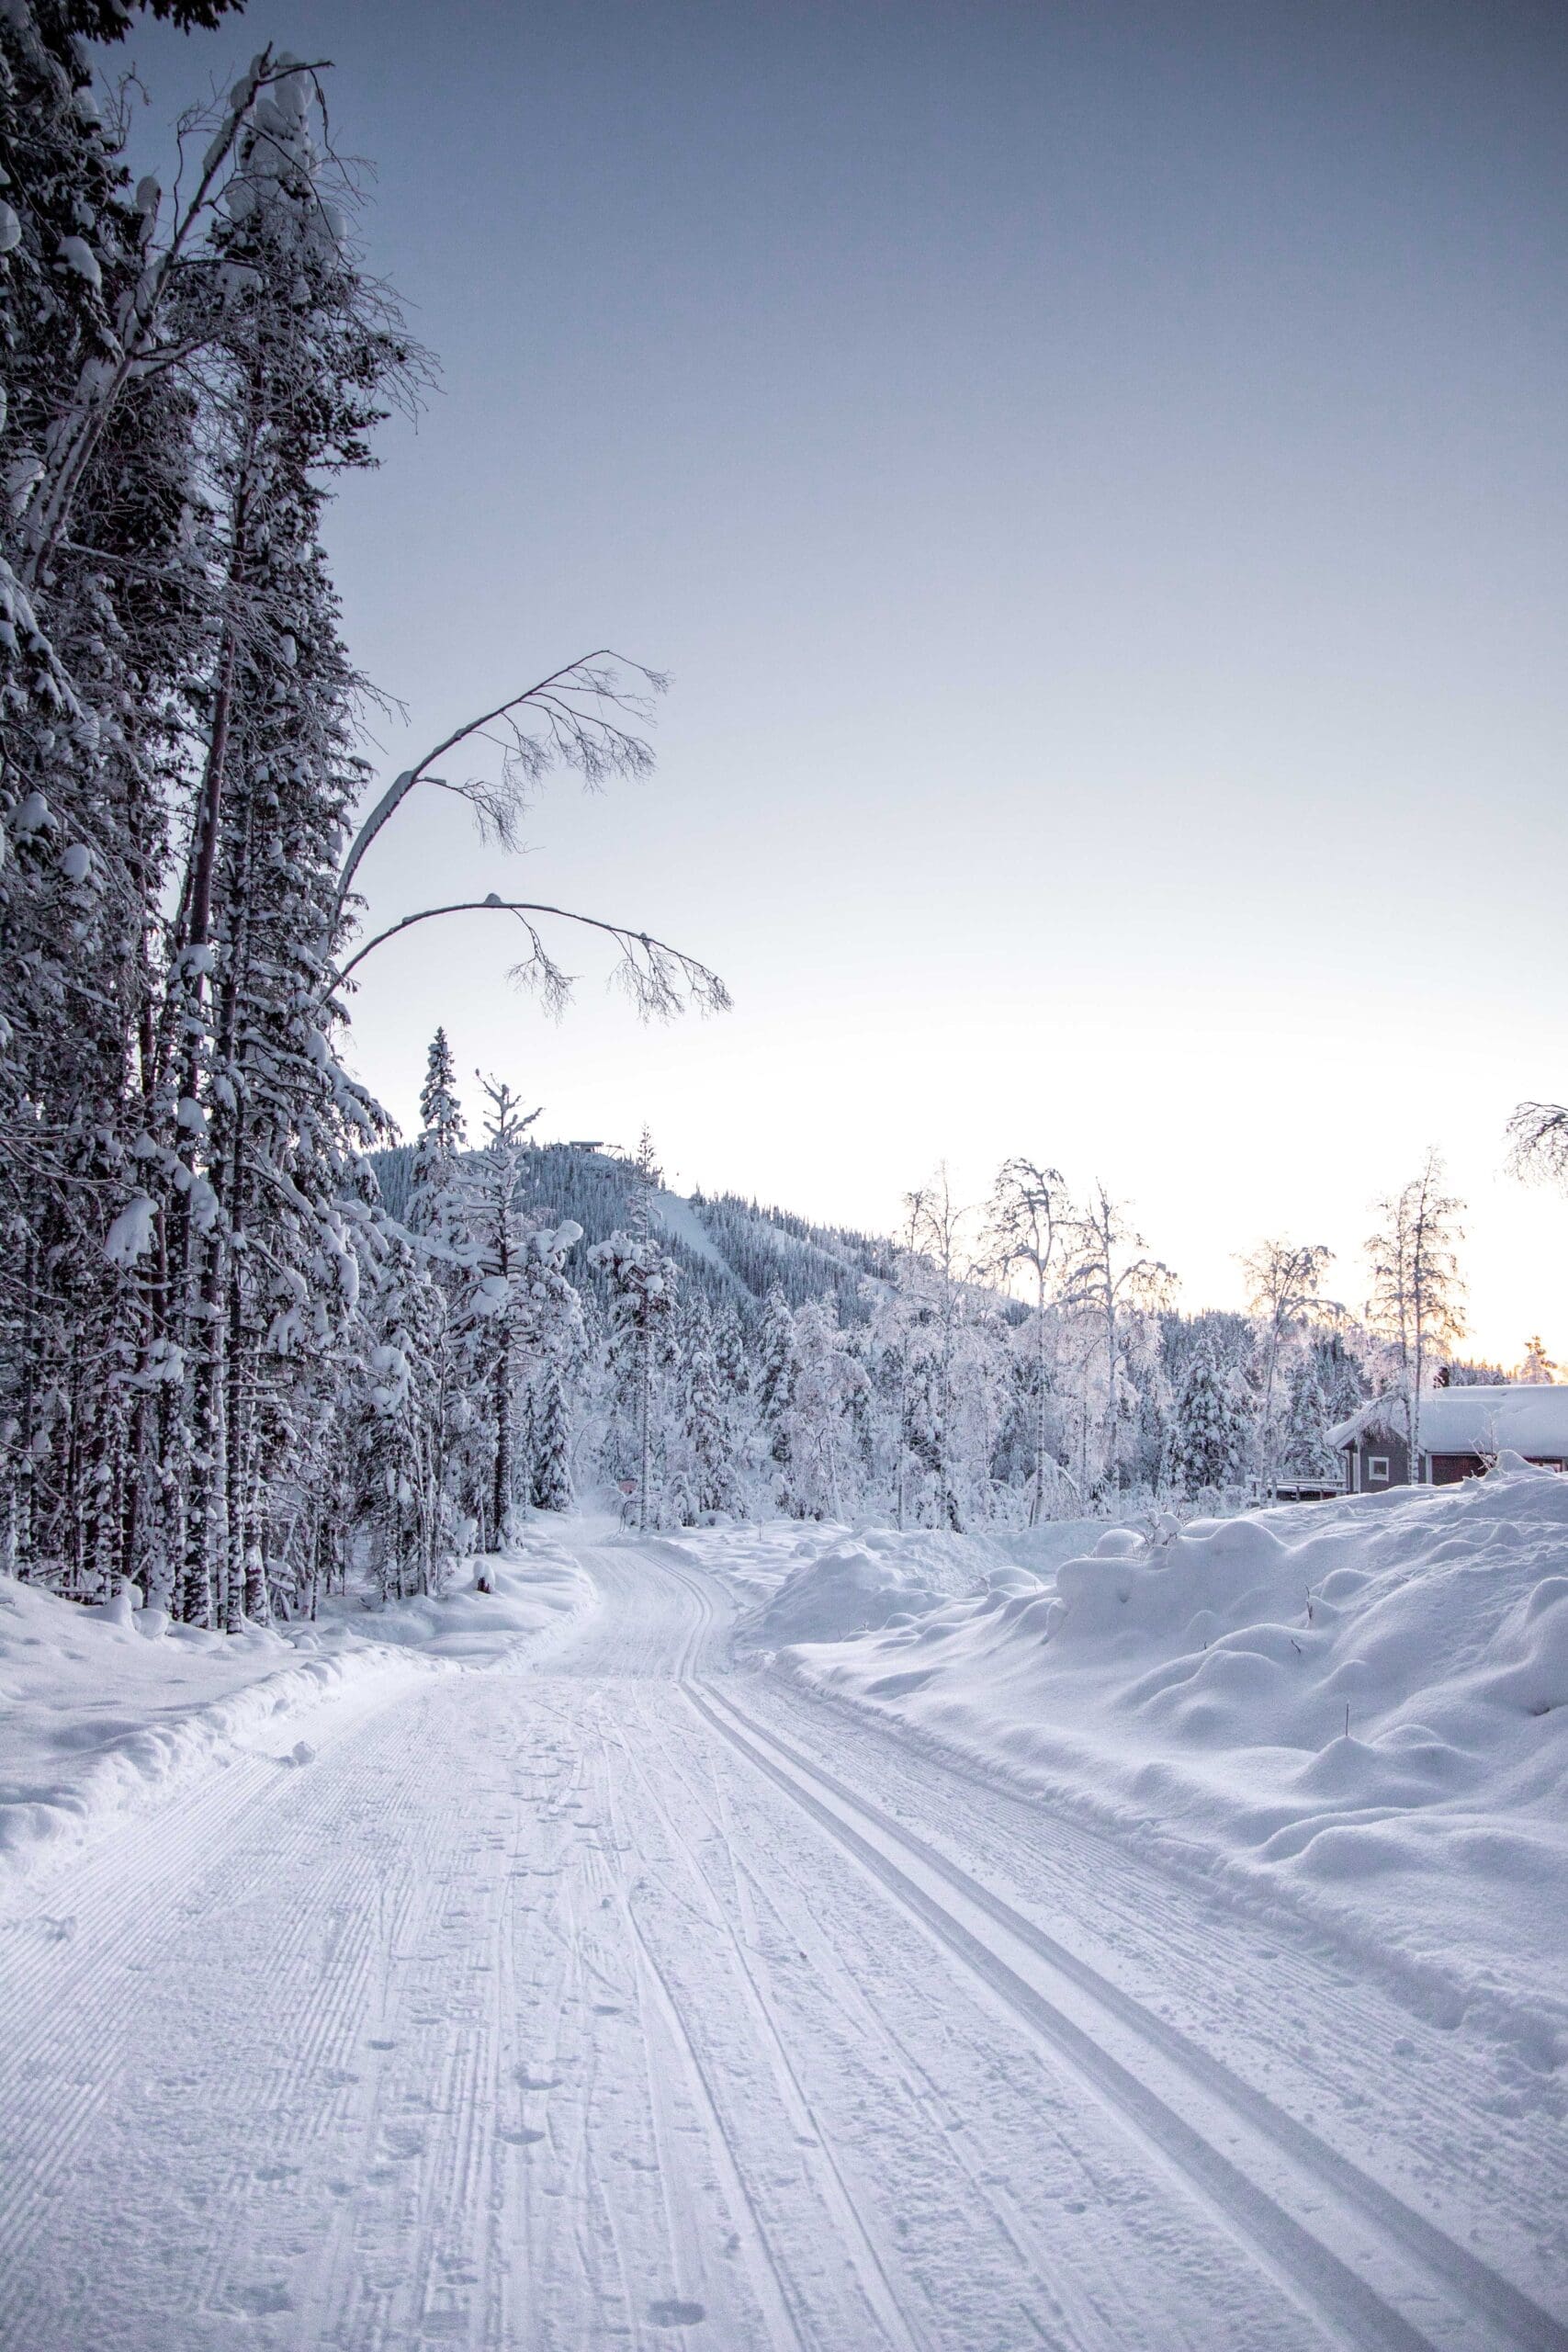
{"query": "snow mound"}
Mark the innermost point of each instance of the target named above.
(105, 1710)
(1359, 1708)
(849, 1589)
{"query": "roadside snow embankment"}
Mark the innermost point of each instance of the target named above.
(1195, 1695)
(819, 1582)
(104, 1712)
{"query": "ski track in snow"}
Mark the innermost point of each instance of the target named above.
(620, 1999)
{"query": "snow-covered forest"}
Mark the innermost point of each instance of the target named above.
(1019, 1360)
(216, 1343)
(253, 1346)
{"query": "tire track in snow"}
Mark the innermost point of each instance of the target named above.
(1379, 2274)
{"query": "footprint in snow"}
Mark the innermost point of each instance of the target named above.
(676, 2315)
(517, 2135)
(260, 2301)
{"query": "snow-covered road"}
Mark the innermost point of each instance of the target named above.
(622, 1999)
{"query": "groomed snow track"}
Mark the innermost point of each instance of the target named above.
(1379, 2274)
(627, 2000)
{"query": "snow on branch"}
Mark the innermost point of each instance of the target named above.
(660, 980)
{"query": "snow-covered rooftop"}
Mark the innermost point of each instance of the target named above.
(1529, 1418)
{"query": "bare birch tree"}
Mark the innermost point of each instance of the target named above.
(1109, 1277)
(1418, 1293)
(1282, 1281)
(1538, 1136)
(1027, 1210)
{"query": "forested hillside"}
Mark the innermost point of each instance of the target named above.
(728, 1247)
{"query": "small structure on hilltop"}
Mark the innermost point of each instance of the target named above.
(1459, 1433)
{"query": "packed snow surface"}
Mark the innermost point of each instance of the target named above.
(582, 1973)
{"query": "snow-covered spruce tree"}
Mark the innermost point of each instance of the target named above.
(732, 1363)
(97, 635)
(862, 1415)
(494, 1250)
(1209, 1448)
(1305, 1451)
(1340, 1376)
(442, 1138)
(554, 1433)
(257, 1110)
(397, 1495)
(773, 1380)
(705, 1472)
(434, 1289)
(642, 1284)
(1107, 1279)
(556, 1340)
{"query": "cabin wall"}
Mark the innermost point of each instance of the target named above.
(1392, 1452)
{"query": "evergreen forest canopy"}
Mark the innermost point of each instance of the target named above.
(250, 1348)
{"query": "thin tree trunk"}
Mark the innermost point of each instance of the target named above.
(203, 1545)
(1037, 1504)
(26, 1465)
(645, 1424)
(502, 1497)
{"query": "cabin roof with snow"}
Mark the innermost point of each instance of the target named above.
(1529, 1418)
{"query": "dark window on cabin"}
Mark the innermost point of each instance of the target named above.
(1377, 1466)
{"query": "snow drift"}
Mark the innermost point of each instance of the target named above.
(1361, 1707)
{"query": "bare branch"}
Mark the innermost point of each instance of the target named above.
(574, 718)
(1538, 1138)
(660, 980)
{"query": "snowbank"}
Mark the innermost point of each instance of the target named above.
(104, 1712)
(821, 1582)
(1360, 1707)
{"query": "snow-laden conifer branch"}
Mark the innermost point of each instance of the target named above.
(660, 980)
(132, 342)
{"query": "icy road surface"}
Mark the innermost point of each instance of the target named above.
(623, 2000)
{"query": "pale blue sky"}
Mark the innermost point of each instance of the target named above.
(1097, 476)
